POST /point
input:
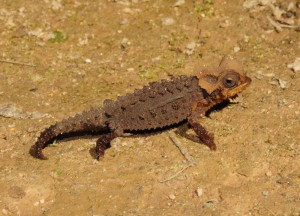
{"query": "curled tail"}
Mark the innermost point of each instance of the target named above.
(91, 121)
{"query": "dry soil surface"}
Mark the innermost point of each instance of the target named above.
(60, 57)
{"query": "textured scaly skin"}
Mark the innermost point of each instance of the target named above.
(91, 120)
(158, 105)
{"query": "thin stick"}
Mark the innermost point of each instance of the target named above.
(279, 26)
(181, 148)
(184, 152)
(176, 174)
(18, 63)
(275, 24)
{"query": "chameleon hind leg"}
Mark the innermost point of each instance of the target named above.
(103, 142)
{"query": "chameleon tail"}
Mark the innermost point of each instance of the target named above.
(91, 120)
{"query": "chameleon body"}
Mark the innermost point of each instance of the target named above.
(156, 106)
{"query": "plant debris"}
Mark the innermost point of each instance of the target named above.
(58, 37)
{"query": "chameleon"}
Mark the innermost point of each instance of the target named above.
(156, 106)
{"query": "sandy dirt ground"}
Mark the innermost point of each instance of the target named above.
(60, 57)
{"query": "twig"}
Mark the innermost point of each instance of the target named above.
(18, 63)
(275, 24)
(278, 26)
(270, 211)
(184, 152)
(181, 148)
(176, 174)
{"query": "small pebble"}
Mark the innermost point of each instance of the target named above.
(246, 39)
(21, 175)
(282, 83)
(199, 192)
(36, 78)
(158, 58)
(282, 103)
(172, 196)
(128, 10)
(236, 49)
(265, 193)
(124, 22)
(211, 203)
(269, 173)
(95, 161)
(83, 41)
(54, 175)
(4, 211)
(11, 125)
(191, 45)
(167, 21)
(279, 82)
(295, 66)
(225, 24)
(125, 42)
(179, 3)
(88, 61)
(267, 2)
(248, 4)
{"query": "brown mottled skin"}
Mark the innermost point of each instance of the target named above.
(156, 106)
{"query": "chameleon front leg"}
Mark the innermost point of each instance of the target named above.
(103, 142)
(199, 108)
(202, 133)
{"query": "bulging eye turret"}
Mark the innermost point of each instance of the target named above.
(230, 80)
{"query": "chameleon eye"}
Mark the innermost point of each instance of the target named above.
(230, 81)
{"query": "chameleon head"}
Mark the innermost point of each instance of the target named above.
(231, 82)
(224, 82)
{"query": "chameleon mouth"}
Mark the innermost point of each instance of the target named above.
(244, 84)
